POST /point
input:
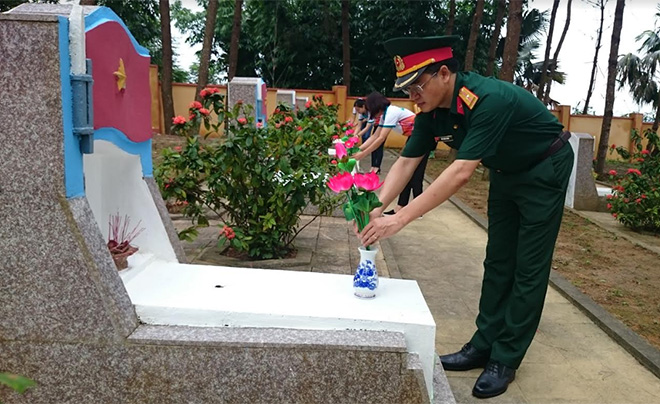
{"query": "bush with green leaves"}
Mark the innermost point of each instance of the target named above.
(258, 178)
(635, 200)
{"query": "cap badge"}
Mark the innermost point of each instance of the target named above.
(398, 63)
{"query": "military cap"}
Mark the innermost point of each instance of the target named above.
(413, 55)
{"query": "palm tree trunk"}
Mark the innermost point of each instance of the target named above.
(346, 45)
(166, 70)
(603, 144)
(555, 58)
(548, 46)
(205, 57)
(495, 39)
(235, 36)
(474, 34)
(450, 22)
(592, 80)
(510, 57)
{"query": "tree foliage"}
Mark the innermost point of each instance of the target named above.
(298, 43)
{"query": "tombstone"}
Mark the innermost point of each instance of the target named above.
(161, 330)
(250, 91)
(581, 193)
(301, 103)
(286, 97)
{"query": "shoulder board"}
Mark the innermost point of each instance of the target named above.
(468, 97)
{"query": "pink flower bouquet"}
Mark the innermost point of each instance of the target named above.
(360, 196)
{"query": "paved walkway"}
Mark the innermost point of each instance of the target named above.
(571, 359)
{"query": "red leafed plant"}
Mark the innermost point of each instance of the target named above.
(120, 235)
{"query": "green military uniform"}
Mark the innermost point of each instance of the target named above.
(510, 131)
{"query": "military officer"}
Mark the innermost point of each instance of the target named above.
(508, 130)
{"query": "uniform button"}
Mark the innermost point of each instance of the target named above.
(455, 127)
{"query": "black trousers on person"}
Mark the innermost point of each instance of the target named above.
(415, 185)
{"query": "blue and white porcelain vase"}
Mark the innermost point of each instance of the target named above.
(365, 281)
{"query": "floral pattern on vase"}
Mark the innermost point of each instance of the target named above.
(365, 281)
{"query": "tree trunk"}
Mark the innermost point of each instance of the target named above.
(555, 58)
(87, 2)
(510, 57)
(450, 22)
(548, 46)
(205, 57)
(166, 70)
(495, 39)
(235, 36)
(592, 80)
(474, 34)
(603, 144)
(346, 45)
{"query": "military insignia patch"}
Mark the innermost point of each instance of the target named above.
(468, 97)
(398, 63)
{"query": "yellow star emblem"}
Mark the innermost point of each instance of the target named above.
(120, 74)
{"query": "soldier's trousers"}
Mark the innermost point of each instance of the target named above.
(524, 215)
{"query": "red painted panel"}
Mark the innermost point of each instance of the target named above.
(128, 110)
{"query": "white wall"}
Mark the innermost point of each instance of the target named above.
(114, 184)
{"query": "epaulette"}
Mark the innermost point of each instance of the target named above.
(469, 98)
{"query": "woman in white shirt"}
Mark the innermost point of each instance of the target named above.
(401, 120)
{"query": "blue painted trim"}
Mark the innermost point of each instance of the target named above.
(105, 14)
(74, 183)
(119, 139)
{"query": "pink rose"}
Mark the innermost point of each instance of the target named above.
(203, 93)
(308, 104)
(349, 132)
(609, 206)
(195, 105)
(350, 143)
(634, 171)
(178, 120)
(177, 148)
(204, 111)
(367, 182)
(288, 119)
(299, 128)
(242, 121)
(612, 172)
(645, 152)
(333, 162)
(341, 182)
(260, 125)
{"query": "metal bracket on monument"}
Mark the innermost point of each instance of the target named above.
(83, 108)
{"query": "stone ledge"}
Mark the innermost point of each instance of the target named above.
(251, 337)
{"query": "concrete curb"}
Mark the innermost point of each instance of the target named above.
(641, 350)
(618, 233)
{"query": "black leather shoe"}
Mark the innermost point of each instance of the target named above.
(494, 380)
(465, 359)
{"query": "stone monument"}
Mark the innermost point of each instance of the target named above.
(581, 193)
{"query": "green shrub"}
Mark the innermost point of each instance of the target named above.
(635, 201)
(262, 177)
